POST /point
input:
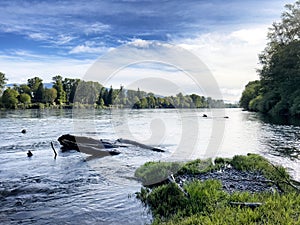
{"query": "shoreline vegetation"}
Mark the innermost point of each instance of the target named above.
(242, 190)
(76, 93)
(277, 91)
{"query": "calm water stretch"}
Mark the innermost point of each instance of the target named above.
(73, 190)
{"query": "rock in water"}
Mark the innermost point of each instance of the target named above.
(29, 153)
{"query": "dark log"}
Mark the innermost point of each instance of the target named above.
(97, 148)
(126, 141)
(93, 147)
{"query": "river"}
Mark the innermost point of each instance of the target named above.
(74, 190)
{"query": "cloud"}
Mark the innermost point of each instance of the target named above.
(89, 47)
(225, 35)
(231, 56)
(139, 43)
(95, 28)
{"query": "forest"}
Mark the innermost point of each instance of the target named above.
(68, 93)
(278, 90)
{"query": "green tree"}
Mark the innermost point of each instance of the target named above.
(3, 80)
(58, 85)
(70, 86)
(280, 72)
(25, 98)
(251, 92)
(39, 96)
(33, 84)
(10, 98)
(50, 95)
(24, 89)
(110, 97)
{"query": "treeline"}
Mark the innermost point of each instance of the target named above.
(278, 90)
(66, 92)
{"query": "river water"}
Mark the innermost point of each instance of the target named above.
(72, 189)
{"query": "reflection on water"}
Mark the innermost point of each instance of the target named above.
(70, 190)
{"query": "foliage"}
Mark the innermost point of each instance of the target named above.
(75, 92)
(280, 72)
(33, 84)
(58, 85)
(70, 86)
(152, 173)
(207, 203)
(3, 80)
(50, 95)
(251, 92)
(165, 201)
(39, 94)
(277, 209)
(197, 166)
(10, 98)
(25, 98)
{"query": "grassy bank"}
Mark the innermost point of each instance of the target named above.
(206, 202)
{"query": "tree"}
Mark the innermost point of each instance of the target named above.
(251, 92)
(39, 96)
(10, 98)
(33, 84)
(50, 95)
(2, 81)
(24, 89)
(280, 72)
(58, 85)
(25, 98)
(70, 86)
(110, 96)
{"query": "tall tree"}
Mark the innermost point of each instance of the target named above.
(58, 85)
(3, 80)
(40, 94)
(280, 73)
(33, 84)
(70, 86)
(110, 96)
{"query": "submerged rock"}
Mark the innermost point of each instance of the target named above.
(29, 153)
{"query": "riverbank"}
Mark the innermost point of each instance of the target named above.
(242, 190)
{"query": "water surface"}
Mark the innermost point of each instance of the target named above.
(72, 190)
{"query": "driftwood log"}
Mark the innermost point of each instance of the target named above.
(98, 148)
(126, 141)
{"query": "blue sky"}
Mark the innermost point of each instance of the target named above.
(45, 38)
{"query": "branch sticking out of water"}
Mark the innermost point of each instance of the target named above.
(55, 153)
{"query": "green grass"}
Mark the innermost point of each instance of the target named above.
(207, 203)
(155, 173)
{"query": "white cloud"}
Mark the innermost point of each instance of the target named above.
(95, 28)
(232, 57)
(38, 36)
(139, 43)
(88, 47)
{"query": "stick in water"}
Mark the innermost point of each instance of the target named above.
(55, 154)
